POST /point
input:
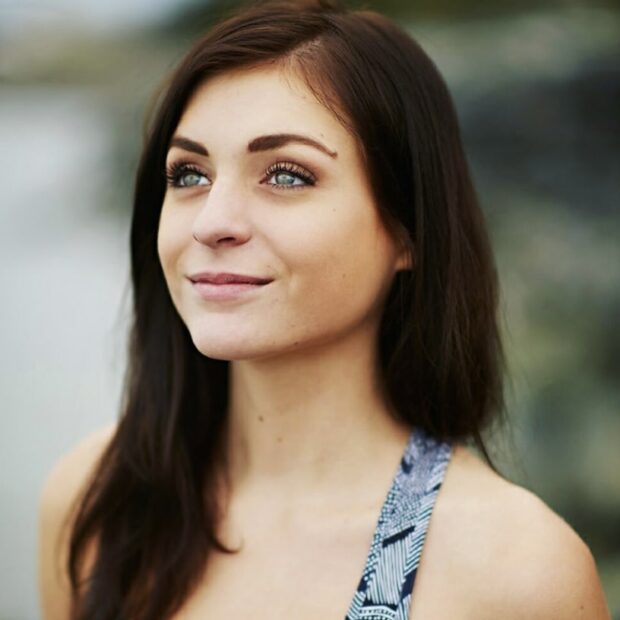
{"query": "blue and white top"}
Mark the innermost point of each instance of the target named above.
(384, 591)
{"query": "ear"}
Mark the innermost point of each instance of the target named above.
(404, 260)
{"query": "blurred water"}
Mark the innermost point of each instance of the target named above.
(63, 275)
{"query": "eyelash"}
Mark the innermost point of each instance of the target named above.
(176, 170)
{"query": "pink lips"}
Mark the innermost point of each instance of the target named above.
(225, 286)
(227, 278)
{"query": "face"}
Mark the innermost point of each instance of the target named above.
(298, 213)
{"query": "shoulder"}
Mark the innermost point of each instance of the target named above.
(62, 488)
(67, 478)
(511, 554)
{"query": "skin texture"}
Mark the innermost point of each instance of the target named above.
(312, 443)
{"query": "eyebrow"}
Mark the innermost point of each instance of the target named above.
(261, 143)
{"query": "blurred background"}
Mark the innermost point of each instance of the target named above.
(537, 89)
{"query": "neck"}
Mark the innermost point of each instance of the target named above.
(311, 422)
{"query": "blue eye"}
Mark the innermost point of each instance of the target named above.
(288, 173)
(178, 172)
(289, 179)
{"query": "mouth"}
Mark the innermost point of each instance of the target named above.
(225, 279)
(226, 287)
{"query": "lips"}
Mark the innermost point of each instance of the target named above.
(227, 287)
(209, 277)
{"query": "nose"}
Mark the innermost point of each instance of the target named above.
(223, 218)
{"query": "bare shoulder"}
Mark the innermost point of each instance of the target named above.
(506, 552)
(69, 473)
(63, 486)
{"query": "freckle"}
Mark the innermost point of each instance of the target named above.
(260, 418)
(279, 439)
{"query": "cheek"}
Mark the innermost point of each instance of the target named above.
(170, 242)
(342, 275)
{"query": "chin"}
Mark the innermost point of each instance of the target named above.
(229, 347)
(238, 347)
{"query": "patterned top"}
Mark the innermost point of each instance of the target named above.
(384, 591)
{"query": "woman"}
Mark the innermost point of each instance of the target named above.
(314, 341)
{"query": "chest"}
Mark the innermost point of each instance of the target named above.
(310, 575)
(307, 573)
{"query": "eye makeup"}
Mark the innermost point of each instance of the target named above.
(177, 171)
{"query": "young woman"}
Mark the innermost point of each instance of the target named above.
(314, 342)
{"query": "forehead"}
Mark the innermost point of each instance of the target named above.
(244, 103)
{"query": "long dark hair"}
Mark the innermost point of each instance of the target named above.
(151, 506)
